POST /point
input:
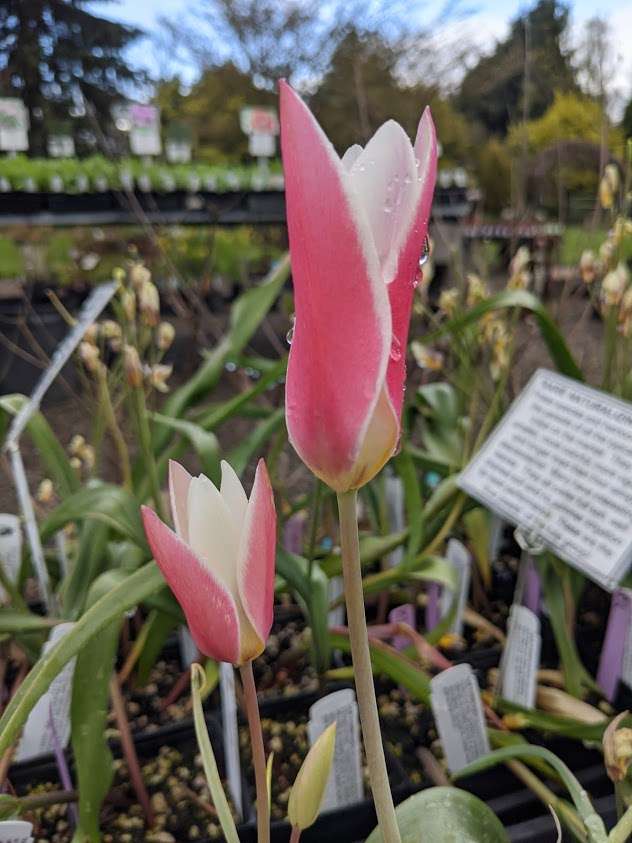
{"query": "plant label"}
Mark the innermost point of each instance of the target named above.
(14, 125)
(10, 547)
(616, 653)
(231, 733)
(345, 782)
(403, 614)
(188, 648)
(144, 137)
(15, 831)
(558, 466)
(394, 489)
(461, 559)
(48, 724)
(521, 659)
(458, 711)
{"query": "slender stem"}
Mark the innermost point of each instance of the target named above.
(258, 753)
(367, 704)
(623, 829)
(115, 430)
(129, 750)
(144, 434)
(313, 527)
(296, 834)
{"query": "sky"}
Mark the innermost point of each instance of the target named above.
(488, 22)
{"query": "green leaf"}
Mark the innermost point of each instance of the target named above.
(208, 757)
(103, 502)
(132, 591)
(581, 800)
(478, 530)
(240, 456)
(159, 627)
(50, 451)
(445, 815)
(90, 562)
(89, 715)
(14, 621)
(425, 568)
(389, 662)
(372, 549)
(552, 336)
(204, 442)
(415, 514)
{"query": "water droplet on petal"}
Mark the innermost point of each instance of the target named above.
(290, 334)
(425, 252)
(396, 350)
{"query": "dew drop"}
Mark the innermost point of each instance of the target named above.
(425, 252)
(290, 334)
(396, 350)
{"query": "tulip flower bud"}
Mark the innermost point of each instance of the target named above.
(149, 303)
(45, 491)
(139, 274)
(128, 302)
(133, 367)
(158, 375)
(309, 788)
(165, 335)
(90, 357)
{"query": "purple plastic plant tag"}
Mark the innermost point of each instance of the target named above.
(433, 612)
(532, 594)
(402, 614)
(613, 650)
(294, 533)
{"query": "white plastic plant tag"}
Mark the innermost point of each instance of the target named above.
(521, 659)
(345, 782)
(188, 648)
(15, 831)
(558, 467)
(231, 733)
(40, 734)
(10, 547)
(335, 590)
(461, 558)
(458, 712)
(394, 489)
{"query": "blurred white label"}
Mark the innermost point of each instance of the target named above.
(10, 547)
(14, 125)
(458, 711)
(15, 831)
(461, 559)
(335, 590)
(231, 734)
(345, 782)
(394, 489)
(50, 717)
(261, 146)
(521, 659)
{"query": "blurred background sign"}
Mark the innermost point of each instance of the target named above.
(14, 125)
(145, 130)
(262, 126)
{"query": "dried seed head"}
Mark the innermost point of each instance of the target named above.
(158, 375)
(133, 366)
(149, 303)
(165, 335)
(588, 266)
(92, 334)
(617, 748)
(111, 329)
(128, 302)
(90, 357)
(76, 444)
(427, 358)
(448, 301)
(45, 491)
(138, 274)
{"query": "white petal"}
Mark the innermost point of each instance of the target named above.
(234, 496)
(425, 145)
(386, 181)
(351, 156)
(179, 483)
(212, 533)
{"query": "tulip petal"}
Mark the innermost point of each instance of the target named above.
(402, 289)
(234, 495)
(213, 536)
(351, 156)
(179, 481)
(342, 332)
(210, 610)
(385, 178)
(257, 553)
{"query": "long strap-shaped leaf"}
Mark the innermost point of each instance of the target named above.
(551, 334)
(133, 590)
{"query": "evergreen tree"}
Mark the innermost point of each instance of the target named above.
(531, 62)
(51, 52)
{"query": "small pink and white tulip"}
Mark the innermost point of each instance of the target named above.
(220, 560)
(357, 227)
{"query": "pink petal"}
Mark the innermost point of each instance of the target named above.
(385, 178)
(257, 552)
(179, 482)
(342, 332)
(401, 290)
(208, 606)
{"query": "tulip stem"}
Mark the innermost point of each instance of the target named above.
(258, 753)
(365, 689)
(296, 834)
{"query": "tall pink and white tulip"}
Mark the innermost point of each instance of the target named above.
(219, 562)
(357, 227)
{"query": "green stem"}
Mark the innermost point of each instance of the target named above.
(115, 430)
(367, 703)
(144, 435)
(258, 753)
(313, 527)
(623, 829)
